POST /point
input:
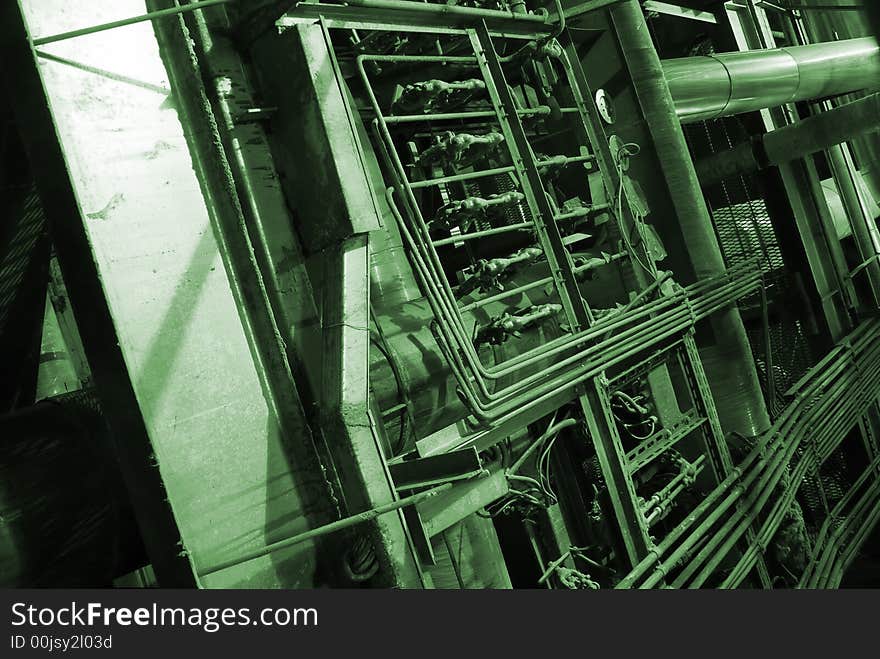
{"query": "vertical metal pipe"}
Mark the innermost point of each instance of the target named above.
(846, 26)
(748, 414)
(859, 219)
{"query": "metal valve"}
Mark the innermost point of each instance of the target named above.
(585, 267)
(460, 149)
(503, 327)
(432, 95)
(488, 273)
(552, 162)
(463, 212)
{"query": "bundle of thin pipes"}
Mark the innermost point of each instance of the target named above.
(583, 355)
(580, 356)
(843, 531)
(826, 405)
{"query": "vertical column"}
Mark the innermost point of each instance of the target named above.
(750, 413)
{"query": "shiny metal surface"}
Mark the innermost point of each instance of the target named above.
(835, 25)
(709, 87)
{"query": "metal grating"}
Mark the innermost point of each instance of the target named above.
(739, 214)
(745, 230)
(16, 254)
(791, 352)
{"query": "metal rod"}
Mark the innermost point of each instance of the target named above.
(541, 110)
(332, 527)
(492, 172)
(827, 7)
(451, 11)
(161, 13)
(454, 178)
(581, 212)
(522, 226)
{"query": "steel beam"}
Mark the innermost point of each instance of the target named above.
(315, 125)
(201, 404)
(410, 16)
(677, 11)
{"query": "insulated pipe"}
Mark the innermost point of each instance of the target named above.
(713, 86)
(859, 219)
(749, 416)
(798, 140)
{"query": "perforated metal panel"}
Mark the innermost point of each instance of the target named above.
(739, 214)
(26, 226)
(745, 231)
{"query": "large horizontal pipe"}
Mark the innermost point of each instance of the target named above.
(809, 136)
(712, 86)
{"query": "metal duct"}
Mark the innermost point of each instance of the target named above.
(713, 86)
(836, 25)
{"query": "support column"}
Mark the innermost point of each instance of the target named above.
(748, 414)
(859, 220)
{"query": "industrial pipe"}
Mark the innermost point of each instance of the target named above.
(840, 25)
(786, 433)
(836, 411)
(713, 86)
(798, 140)
(749, 415)
(859, 220)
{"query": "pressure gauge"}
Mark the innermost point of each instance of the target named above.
(605, 106)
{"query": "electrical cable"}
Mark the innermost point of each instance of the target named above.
(623, 153)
